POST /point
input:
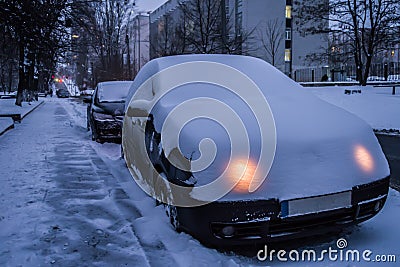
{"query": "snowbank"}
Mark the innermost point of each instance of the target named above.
(376, 105)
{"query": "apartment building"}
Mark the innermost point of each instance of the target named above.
(268, 29)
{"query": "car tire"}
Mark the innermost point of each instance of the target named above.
(95, 137)
(174, 218)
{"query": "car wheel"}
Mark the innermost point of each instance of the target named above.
(173, 218)
(122, 152)
(95, 136)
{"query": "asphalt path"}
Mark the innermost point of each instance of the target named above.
(391, 147)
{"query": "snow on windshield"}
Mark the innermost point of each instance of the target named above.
(113, 92)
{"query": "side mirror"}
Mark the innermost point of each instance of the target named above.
(87, 100)
(138, 108)
(136, 112)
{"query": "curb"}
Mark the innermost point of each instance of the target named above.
(12, 125)
(6, 129)
(26, 114)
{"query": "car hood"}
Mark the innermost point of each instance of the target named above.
(320, 148)
(112, 108)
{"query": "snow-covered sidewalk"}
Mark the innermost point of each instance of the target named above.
(8, 108)
(9, 112)
(376, 105)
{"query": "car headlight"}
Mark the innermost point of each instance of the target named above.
(364, 158)
(102, 116)
(245, 170)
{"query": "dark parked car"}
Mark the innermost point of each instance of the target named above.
(106, 111)
(63, 93)
(328, 170)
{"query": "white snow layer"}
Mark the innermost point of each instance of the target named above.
(113, 91)
(376, 105)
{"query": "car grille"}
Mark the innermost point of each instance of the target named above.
(367, 201)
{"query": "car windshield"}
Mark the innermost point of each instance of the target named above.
(113, 92)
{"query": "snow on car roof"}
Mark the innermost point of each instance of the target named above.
(113, 91)
(317, 143)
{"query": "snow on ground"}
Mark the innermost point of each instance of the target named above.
(7, 106)
(5, 123)
(376, 105)
(68, 201)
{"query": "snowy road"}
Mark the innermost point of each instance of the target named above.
(67, 201)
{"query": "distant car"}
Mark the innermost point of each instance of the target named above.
(375, 78)
(328, 172)
(106, 111)
(9, 95)
(87, 92)
(86, 95)
(63, 94)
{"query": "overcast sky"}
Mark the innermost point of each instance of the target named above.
(149, 5)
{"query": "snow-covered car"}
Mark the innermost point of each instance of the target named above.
(328, 171)
(375, 78)
(62, 93)
(105, 112)
(9, 95)
(86, 95)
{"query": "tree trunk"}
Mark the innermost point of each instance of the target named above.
(367, 69)
(21, 73)
(10, 77)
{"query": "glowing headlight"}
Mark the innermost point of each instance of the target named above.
(245, 171)
(364, 158)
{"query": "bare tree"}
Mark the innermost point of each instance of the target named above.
(365, 26)
(206, 28)
(272, 38)
(8, 55)
(170, 39)
(39, 33)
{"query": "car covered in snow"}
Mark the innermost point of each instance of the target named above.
(106, 110)
(328, 170)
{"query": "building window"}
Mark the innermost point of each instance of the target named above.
(288, 12)
(288, 34)
(288, 55)
(392, 53)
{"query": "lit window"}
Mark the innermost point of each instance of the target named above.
(392, 53)
(288, 35)
(288, 55)
(288, 12)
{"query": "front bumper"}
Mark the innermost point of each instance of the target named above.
(261, 221)
(108, 129)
